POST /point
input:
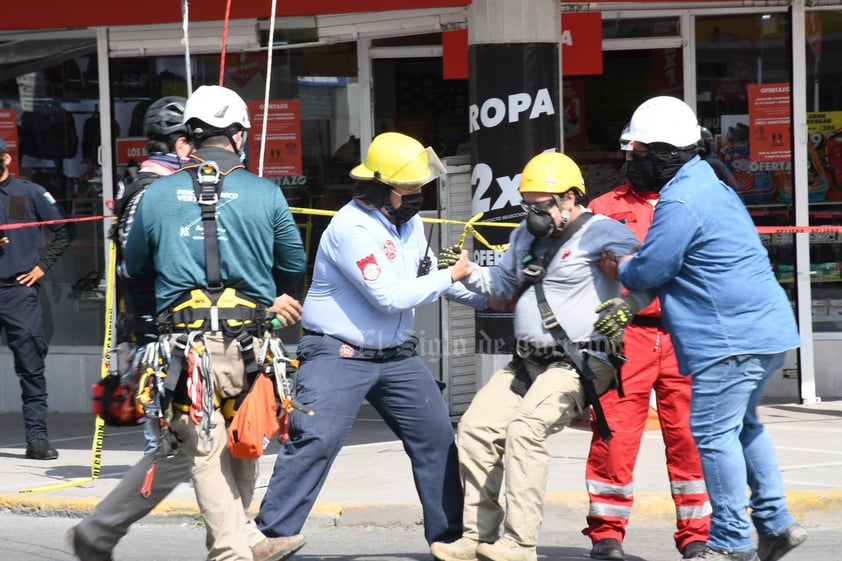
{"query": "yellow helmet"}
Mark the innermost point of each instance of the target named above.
(551, 172)
(397, 159)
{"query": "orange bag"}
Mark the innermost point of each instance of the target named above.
(256, 420)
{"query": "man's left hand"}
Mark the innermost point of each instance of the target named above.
(618, 312)
(287, 309)
(30, 278)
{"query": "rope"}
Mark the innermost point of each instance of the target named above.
(270, 43)
(188, 70)
(224, 42)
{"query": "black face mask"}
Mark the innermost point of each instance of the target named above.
(2, 166)
(540, 224)
(410, 205)
(653, 171)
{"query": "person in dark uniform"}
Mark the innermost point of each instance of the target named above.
(22, 265)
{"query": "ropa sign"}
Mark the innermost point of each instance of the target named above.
(494, 110)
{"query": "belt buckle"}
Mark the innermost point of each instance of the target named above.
(523, 349)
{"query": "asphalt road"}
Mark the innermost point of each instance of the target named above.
(31, 538)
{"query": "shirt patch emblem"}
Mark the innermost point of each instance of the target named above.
(346, 351)
(565, 255)
(390, 250)
(369, 267)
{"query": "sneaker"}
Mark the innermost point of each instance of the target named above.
(463, 549)
(692, 550)
(775, 547)
(277, 549)
(609, 548)
(40, 449)
(506, 549)
(83, 550)
(710, 554)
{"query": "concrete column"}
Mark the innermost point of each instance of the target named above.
(514, 114)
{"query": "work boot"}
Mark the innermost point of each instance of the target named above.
(772, 549)
(692, 550)
(83, 550)
(609, 548)
(506, 549)
(463, 549)
(277, 549)
(710, 554)
(40, 449)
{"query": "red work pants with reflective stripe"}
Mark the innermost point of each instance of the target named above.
(610, 468)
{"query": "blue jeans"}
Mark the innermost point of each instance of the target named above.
(736, 451)
(334, 385)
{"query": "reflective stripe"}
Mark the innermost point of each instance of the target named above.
(608, 490)
(696, 487)
(615, 511)
(693, 512)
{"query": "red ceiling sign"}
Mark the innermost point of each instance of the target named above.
(581, 43)
(581, 47)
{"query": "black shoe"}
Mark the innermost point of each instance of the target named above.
(608, 548)
(40, 449)
(83, 550)
(772, 549)
(692, 550)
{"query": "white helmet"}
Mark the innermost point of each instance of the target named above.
(213, 110)
(663, 119)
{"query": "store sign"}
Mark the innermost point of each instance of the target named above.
(769, 122)
(581, 47)
(131, 149)
(581, 43)
(9, 134)
(282, 152)
(510, 120)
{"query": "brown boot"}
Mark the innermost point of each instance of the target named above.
(277, 549)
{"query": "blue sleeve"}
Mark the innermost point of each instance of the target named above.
(383, 284)
(290, 260)
(662, 254)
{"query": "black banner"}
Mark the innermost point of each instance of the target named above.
(513, 115)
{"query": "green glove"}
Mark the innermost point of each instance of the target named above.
(615, 315)
(448, 256)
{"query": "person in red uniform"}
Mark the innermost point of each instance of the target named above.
(651, 366)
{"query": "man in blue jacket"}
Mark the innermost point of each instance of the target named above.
(730, 321)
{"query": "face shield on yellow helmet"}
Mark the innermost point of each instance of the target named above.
(400, 161)
(551, 172)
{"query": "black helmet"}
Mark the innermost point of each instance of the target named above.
(164, 117)
(706, 142)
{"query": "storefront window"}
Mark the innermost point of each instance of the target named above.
(824, 123)
(50, 121)
(312, 138)
(597, 107)
(743, 79)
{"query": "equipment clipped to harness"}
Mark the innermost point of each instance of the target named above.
(264, 409)
(113, 395)
(534, 270)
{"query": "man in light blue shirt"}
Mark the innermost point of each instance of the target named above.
(359, 344)
(730, 321)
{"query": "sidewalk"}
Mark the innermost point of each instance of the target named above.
(371, 481)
